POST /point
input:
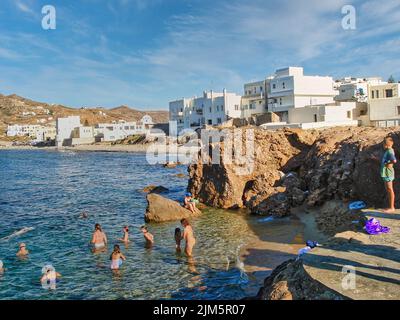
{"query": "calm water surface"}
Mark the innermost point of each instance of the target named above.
(48, 190)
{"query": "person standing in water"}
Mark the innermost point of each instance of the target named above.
(387, 172)
(125, 237)
(22, 252)
(99, 239)
(178, 239)
(49, 278)
(188, 236)
(116, 258)
(147, 236)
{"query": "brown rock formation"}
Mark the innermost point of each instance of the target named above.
(290, 281)
(160, 209)
(293, 166)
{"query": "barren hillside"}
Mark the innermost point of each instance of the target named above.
(18, 110)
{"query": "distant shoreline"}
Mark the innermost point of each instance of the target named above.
(95, 148)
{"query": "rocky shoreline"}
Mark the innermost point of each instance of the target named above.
(319, 170)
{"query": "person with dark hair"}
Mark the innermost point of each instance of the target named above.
(188, 236)
(125, 237)
(116, 258)
(190, 203)
(178, 239)
(147, 236)
(99, 239)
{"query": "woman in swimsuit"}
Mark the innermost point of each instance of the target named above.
(188, 236)
(99, 239)
(116, 258)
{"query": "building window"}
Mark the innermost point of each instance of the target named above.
(209, 121)
(274, 86)
(315, 118)
(373, 94)
(389, 93)
(377, 94)
(236, 107)
(219, 120)
(210, 110)
(398, 110)
(349, 114)
(280, 101)
(283, 85)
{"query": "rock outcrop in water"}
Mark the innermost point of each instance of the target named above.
(292, 167)
(160, 209)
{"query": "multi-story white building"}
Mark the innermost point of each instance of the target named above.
(212, 108)
(254, 100)
(35, 132)
(290, 88)
(384, 104)
(355, 89)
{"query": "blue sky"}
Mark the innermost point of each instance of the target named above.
(144, 53)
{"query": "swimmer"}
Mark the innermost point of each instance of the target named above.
(2, 269)
(116, 258)
(49, 275)
(147, 235)
(125, 237)
(190, 203)
(22, 252)
(178, 239)
(188, 236)
(99, 239)
(84, 215)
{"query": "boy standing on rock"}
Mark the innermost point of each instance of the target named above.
(387, 171)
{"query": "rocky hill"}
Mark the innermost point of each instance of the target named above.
(18, 110)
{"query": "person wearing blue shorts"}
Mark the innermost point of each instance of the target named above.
(387, 172)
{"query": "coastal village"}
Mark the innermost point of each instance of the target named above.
(287, 99)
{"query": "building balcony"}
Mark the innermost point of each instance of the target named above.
(254, 96)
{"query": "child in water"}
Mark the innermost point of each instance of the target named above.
(1, 267)
(190, 203)
(49, 278)
(22, 252)
(147, 236)
(125, 238)
(178, 239)
(116, 258)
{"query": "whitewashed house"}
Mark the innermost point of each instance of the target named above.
(70, 132)
(290, 88)
(35, 132)
(254, 100)
(355, 89)
(109, 132)
(213, 108)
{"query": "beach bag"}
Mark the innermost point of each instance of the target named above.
(373, 226)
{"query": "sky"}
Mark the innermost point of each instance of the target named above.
(145, 53)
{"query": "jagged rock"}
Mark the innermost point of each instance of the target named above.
(318, 166)
(160, 209)
(290, 281)
(155, 189)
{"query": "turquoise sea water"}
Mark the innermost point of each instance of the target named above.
(47, 190)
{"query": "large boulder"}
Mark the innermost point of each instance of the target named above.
(155, 189)
(160, 209)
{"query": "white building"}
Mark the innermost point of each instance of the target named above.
(70, 132)
(384, 104)
(120, 130)
(212, 108)
(290, 88)
(334, 114)
(254, 100)
(355, 89)
(35, 132)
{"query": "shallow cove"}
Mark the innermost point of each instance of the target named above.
(49, 190)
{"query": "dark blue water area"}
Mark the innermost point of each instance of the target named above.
(47, 191)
